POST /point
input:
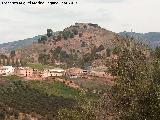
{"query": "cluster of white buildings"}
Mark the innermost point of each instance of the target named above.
(30, 73)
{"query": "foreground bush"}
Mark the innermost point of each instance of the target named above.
(135, 92)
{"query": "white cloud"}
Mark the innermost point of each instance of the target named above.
(19, 22)
(105, 1)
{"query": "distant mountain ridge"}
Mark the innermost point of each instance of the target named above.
(7, 47)
(151, 38)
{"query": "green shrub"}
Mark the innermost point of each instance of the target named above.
(49, 32)
(135, 92)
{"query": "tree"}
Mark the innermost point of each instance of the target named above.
(42, 39)
(8, 61)
(13, 62)
(83, 44)
(44, 58)
(108, 52)
(63, 55)
(4, 63)
(100, 48)
(3, 59)
(12, 53)
(23, 62)
(135, 92)
(17, 64)
(49, 32)
(75, 31)
(157, 52)
(157, 66)
(80, 35)
(83, 111)
(104, 107)
(115, 50)
(58, 49)
(67, 34)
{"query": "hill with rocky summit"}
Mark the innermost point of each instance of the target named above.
(83, 41)
(81, 45)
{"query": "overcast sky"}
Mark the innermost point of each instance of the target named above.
(18, 22)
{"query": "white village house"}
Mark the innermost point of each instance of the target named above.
(6, 70)
(53, 72)
(75, 72)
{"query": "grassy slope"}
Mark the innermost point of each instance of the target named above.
(41, 97)
(38, 66)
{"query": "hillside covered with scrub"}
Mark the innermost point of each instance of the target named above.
(133, 96)
(79, 45)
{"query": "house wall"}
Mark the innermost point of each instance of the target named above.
(51, 73)
(55, 74)
(24, 72)
(6, 70)
(20, 72)
(29, 72)
(75, 72)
